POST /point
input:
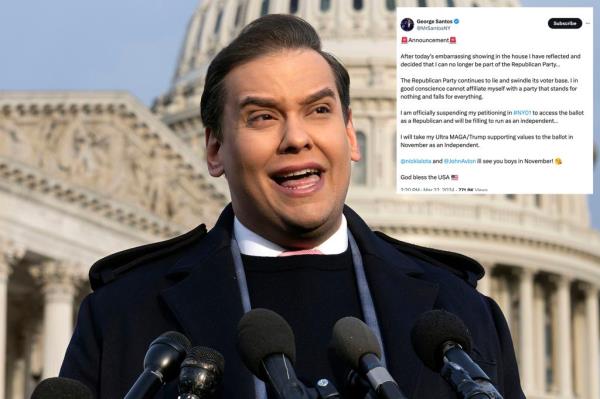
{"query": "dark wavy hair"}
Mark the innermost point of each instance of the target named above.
(263, 36)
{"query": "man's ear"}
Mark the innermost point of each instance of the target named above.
(213, 155)
(351, 133)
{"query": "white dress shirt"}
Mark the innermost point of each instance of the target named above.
(252, 244)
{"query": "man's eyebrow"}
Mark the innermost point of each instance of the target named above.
(326, 92)
(270, 103)
(258, 101)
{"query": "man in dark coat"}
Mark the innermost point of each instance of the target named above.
(279, 127)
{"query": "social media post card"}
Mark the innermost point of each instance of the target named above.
(494, 100)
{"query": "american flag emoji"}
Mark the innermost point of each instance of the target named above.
(454, 177)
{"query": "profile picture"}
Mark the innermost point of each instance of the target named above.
(407, 24)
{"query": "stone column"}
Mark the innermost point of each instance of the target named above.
(59, 280)
(540, 334)
(503, 296)
(378, 164)
(526, 333)
(579, 347)
(33, 354)
(9, 253)
(229, 12)
(5, 270)
(189, 44)
(485, 284)
(591, 310)
(563, 334)
(18, 381)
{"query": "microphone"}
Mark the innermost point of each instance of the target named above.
(161, 364)
(64, 388)
(443, 343)
(201, 373)
(356, 345)
(267, 346)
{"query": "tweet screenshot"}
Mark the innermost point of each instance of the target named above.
(494, 100)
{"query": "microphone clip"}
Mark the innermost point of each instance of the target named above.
(326, 390)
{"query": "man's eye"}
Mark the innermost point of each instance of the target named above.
(322, 110)
(260, 118)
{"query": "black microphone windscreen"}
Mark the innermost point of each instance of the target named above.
(262, 332)
(201, 354)
(64, 388)
(174, 338)
(434, 328)
(201, 373)
(166, 353)
(351, 339)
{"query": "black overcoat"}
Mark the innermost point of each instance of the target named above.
(188, 284)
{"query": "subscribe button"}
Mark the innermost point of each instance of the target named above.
(565, 23)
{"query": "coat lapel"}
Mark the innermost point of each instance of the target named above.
(399, 297)
(206, 301)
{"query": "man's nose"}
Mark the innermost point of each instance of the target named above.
(295, 136)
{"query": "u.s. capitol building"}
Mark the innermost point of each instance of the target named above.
(85, 174)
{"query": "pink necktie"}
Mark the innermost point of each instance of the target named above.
(301, 252)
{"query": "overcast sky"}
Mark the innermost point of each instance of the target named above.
(129, 45)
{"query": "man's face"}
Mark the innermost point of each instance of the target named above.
(286, 149)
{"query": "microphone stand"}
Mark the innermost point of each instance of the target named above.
(465, 386)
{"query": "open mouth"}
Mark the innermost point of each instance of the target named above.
(300, 179)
